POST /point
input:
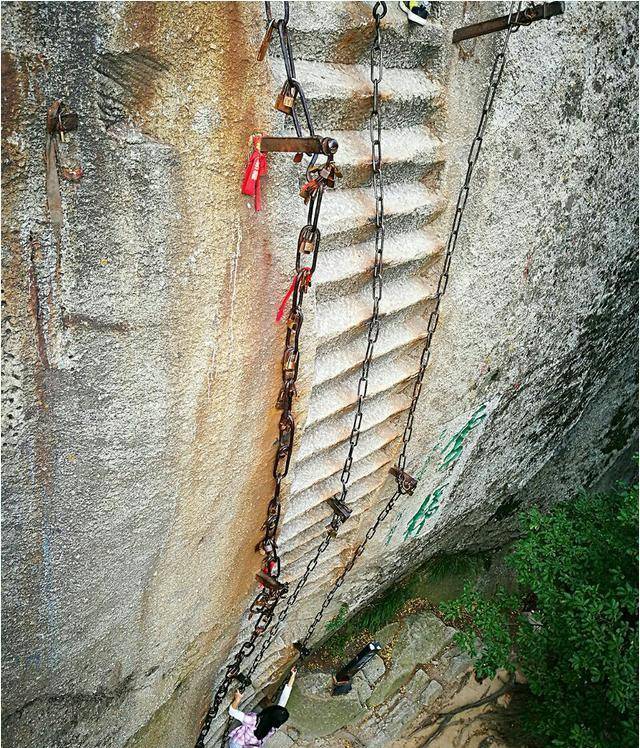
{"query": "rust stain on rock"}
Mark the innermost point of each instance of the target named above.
(35, 303)
(11, 94)
(207, 98)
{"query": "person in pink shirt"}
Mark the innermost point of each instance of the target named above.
(256, 729)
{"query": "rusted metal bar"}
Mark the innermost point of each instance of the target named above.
(340, 508)
(313, 144)
(523, 18)
(271, 583)
(406, 483)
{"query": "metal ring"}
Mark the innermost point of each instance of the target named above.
(375, 11)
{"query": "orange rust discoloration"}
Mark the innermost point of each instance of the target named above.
(34, 302)
(143, 19)
(72, 174)
(353, 45)
(14, 84)
(11, 94)
(236, 85)
(209, 98)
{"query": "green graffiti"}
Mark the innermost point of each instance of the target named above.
(453, 448)
(434, 451)
(447, 456)
(428, 508)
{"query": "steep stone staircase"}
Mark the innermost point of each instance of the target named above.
(331, 42)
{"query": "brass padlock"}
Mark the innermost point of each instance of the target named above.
(284, 100)
(308, 241)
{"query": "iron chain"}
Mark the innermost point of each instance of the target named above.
(351, 563)
(265, 603)
(494, 80)
(375, 127)
(375, 132)
(443, 280)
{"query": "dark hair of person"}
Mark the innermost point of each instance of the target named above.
(269, 719)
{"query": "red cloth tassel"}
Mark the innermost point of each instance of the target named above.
(300, 274)
(257, 200)
(256, 168)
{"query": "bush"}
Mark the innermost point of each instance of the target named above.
(571, 627)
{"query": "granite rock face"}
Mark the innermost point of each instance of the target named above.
(405, 687)
(141, 357)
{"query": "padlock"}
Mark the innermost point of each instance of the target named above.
(407, 484)
(67, 121)
(305, 281)
(308, 240)
(294, 321)
(285, 397)
(284, 101)
(290, 363)
(308, 189)
(266, 39)
(340, 509)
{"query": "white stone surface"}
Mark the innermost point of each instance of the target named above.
(141, 364)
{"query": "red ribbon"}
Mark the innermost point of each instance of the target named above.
(298, 276)
(256, 168)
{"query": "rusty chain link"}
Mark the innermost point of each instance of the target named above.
(265, 603)
(311, 234)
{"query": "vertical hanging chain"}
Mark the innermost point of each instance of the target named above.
(474, 152)
(265, 603)
(375, 131)
(249, 646)
(443, 280)
(303, 646)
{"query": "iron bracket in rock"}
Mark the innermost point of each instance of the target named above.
(313, 144)
(523, 18)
